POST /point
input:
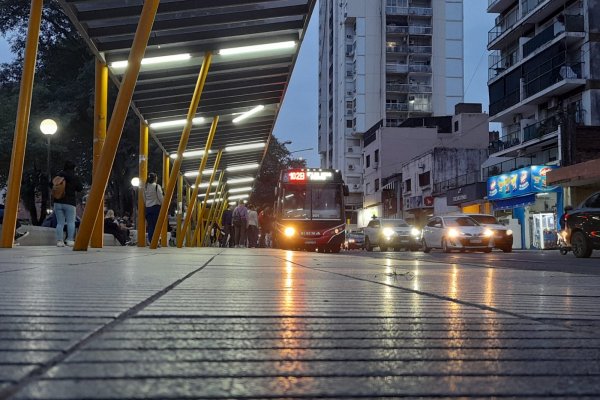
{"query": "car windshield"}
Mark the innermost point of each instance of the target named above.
(396, 223)
(485, 219)
(301, 202)
(460, 221)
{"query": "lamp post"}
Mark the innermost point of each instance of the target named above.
(48, 128)
(135, 183)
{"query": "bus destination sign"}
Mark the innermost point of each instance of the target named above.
(304, 176)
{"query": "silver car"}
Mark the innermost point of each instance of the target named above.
(391, 234)
(456, 232)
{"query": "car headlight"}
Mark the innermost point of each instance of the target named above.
(289, 231)
(415, 232)
(453, 233)
(351, 240)
(509, 232)
(488, 233)
(388, 232)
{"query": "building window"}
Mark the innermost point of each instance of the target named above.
(368, 161)
(376, 185)
(425, 178)
(455, 126)
(408, 185)
(368, 188)
(348, 123)
(376, 157)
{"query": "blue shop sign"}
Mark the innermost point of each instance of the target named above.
(521, 182)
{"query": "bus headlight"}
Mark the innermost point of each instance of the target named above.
(388, 232)
(289, 231)
(415, 232)
(488, 233)
(509, 232)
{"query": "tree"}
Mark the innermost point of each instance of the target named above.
(276, 160)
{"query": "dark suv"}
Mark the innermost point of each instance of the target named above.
(583, 227)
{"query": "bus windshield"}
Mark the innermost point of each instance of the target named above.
(316, 202)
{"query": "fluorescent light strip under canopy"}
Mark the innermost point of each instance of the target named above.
(237, 181)
(154, 60)
(242, 167)
(248, 114)
(242, 189)
(174, 123)
(191, 154)
(239, 197)
(244, 147)
(257, 48)
(191, 174)
(204, 185)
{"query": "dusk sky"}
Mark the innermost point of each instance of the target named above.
(297, 120)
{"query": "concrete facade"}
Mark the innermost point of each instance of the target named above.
(382, 61)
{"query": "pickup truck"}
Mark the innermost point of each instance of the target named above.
(391, 234)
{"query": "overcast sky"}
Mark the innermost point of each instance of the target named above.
(297, 120)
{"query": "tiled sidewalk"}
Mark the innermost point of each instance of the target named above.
(127, 323)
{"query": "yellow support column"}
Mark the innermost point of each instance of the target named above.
(182, 145)
(143, 176)
(194, 197)
(199, 226)
(100, 117)
(15, 175)
(179, 205)
(165, 183)
(117, 121)
(188, 233)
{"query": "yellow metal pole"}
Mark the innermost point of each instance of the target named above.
(214, 206)
(117, 121)
(179, 205)
(182, 145)
(200, 225)
(100, 117)
(189, 211)
(194, 197)
(15, 175)
(143, 175)
(165, 181)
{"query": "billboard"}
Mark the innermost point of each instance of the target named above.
(521, 182)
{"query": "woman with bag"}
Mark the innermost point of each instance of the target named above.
(153, 196)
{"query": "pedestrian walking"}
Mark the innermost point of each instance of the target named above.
(240, 221)
(252, 226)
(64, 192)
(153, 196)
(227, 223)
(214, 233)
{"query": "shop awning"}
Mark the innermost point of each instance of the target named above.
(515, 202)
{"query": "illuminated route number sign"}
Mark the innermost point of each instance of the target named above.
(296, 176)
(303, 176)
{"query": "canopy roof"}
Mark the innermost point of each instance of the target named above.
(236, 83)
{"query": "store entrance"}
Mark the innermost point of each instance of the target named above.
(543, 231)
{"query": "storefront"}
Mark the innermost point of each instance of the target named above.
(469, 198)
(523, 195)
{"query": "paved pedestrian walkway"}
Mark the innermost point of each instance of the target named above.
(128, 323)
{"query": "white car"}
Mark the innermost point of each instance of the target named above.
(503, 237)
(456, 232)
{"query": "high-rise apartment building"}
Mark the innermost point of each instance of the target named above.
(381, 62)
(544, 89)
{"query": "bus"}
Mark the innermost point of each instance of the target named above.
(309, 210)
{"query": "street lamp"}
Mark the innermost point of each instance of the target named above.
(135, 183)
(48, 128)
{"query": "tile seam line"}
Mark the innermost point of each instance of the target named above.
(38, 372)
(445, 298)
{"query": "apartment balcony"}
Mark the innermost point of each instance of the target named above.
(420, 30)
(517, 139)
(408, 88)
(419, 68)
(400, 107)
(498, 6)
(396, 49)
(459, 181)
(420, 49)
(396, 68)
(418, 11)
(572, 23)
(398, 30)
(503, 25)
(551, 79)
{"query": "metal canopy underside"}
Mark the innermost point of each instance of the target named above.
(235, 83)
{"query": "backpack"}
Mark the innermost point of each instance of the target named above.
(236, 219)
(58, 187)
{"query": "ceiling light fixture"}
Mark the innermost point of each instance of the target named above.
(247, 114)
(243, 147)
(240, 190)
(154, 60)
(192, 174)
(239, 197)
(177, 122)
(191, 154)
(242, 167)
(240, 180)
(257, 48)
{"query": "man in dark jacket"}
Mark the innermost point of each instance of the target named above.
(226, 222)
(64, 208)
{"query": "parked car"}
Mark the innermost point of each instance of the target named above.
(391, 233)
(503, 237)
(456, 232)
(354, 240)
(583, 227)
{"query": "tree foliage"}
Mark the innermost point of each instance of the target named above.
(277, 159)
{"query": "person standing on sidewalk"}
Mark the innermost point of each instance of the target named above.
(252, 226)
(64, 207)
(240, 221)
(153, 196)
(226, 222)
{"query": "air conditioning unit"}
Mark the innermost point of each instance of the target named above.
(356, 186)
(553, 103)
(351, 167)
